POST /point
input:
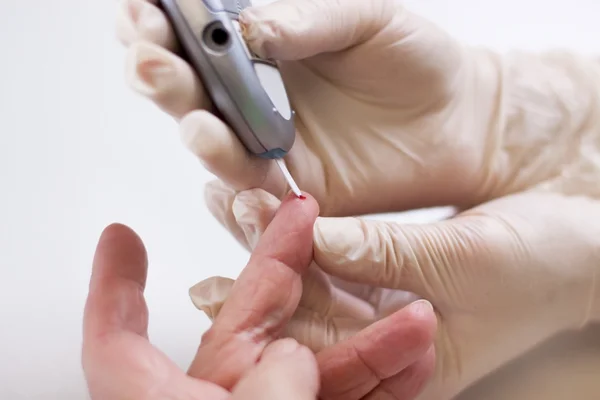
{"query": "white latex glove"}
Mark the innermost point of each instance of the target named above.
(503, 277)
(392, 113)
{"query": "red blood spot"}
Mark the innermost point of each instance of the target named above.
(302, 197)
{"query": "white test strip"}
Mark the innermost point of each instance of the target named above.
(288, 177)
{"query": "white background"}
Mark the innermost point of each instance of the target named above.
(78, 151)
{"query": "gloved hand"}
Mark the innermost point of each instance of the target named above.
(392, 113)
(502, 277)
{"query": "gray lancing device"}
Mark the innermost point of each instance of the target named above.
(261, 119)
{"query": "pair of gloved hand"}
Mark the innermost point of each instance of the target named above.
(393, 114)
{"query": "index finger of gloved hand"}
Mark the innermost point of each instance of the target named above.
(297, 29)
(286, 370)
(354, 367)
(142, 20)
(221, 153)
(263, 298)
(164, 78)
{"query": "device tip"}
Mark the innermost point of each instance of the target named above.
(290, 180)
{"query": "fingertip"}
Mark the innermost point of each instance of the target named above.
(423, 313)
(418, 324)
(342, 248)
(286, 369)
(276, 30)
(141, 20)
(120, 253)
(288, 353)
(118, 236)
(116, 228)
(280, 348)
(305, 204)
(115, 299)
(164, 78)
(291, 30)
(220, 151)
(210, 139)
(148, 67)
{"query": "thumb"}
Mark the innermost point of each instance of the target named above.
(296, 29)
(286, 371)
(429, 260)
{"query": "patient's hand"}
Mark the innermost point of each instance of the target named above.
(367, 343)
(240, 358)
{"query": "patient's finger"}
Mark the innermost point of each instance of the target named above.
(285, 371)
(354, 367)
(142, 20)
(115, 303)
(263, 299)
(165, 79)
(409, 383)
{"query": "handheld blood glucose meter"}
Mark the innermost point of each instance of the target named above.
(246, 89)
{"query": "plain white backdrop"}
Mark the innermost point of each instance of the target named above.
(79, 150)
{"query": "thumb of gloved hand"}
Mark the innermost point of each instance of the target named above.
(502, 277)
(293, 30)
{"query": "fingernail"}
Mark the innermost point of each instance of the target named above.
(421, 307)
(148, 18)
(134, 8)
(149, 69)
(281, 347)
